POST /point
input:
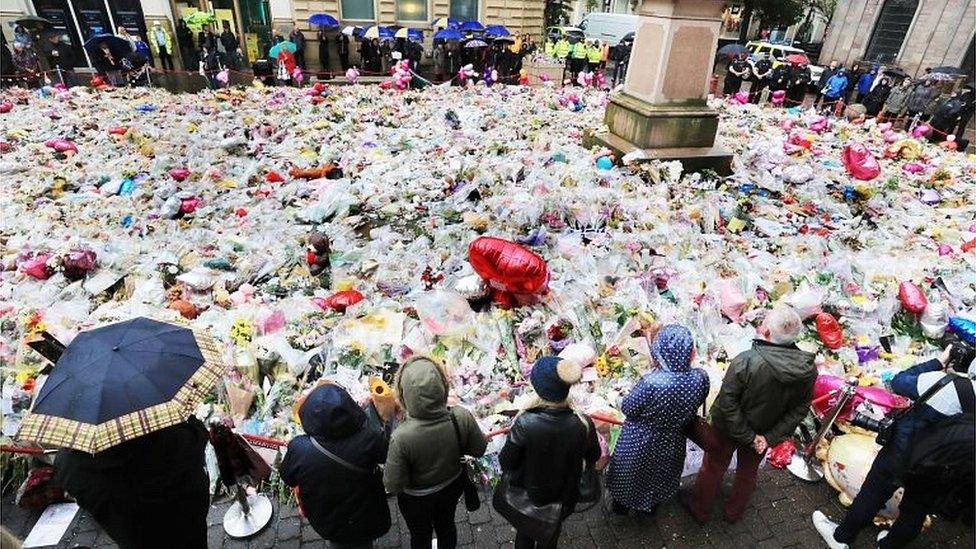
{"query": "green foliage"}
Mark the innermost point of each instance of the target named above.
(778, 13)
(556, 12)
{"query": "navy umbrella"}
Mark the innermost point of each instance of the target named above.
(497, 30)
(732, 49)
(448, 34)
(122, 381)
(323, 20)
(472, 26)
(120, 47)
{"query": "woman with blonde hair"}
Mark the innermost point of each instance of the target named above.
(423, 466)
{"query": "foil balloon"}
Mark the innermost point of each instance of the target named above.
(859, 162)
(890, 136)
(964, 328)
(508, 266)
(879, 398)
(849, 459)
(338, 301)
(352, 75)
(930, 197)
(912, 298)
(829, 331)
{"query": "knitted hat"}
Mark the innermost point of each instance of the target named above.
(552, 377)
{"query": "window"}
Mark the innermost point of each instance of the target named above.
(358, 9)
(890, 30)
(411, 10)
(464, 10)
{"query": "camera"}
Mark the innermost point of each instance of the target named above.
(884, 427)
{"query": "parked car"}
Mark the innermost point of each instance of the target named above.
(573, 34)
(608, 27)
(779, 53)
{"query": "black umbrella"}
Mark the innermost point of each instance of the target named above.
(122, 381)
(947, 70)
(120, 47)
(732, 49)
(34, 22)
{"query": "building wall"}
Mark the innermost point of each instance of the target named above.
(11, 10)
(939, 34)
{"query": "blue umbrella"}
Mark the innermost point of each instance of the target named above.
(472, 26)
(377, 31)
(416, 35)
(122, 381)
(323, 20)
(448, 34)
(120, 47)
(497, 30)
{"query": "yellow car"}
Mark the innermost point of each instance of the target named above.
(573, 34)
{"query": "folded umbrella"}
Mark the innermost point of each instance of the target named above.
(323, 20)
(122, 381)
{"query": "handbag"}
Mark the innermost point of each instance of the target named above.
(472, 500)
(699, 431)
(539, 522)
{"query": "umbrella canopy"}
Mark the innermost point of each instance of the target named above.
(416, 35)
(895, 71)
(323, 20)
(34, 22)
(797, 58)
(120, 47)
(475, 43)
(948, 70)
(496, 31)
(276, 49)
(940, 76)
(350, 30)
(445, 23)
(199, 18)
(448, 34)
(732, 49)
(506, 39)
(472, 26)
(376, 31)
(120, 382)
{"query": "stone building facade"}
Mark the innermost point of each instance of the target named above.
(911, 34)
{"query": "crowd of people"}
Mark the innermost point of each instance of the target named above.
(587, 61)
(350, 458)
(907, 102)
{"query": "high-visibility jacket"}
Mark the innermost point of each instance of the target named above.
(594, 54)
(562, 48)
(550, 48)
(579, 50)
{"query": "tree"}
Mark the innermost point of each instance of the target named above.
(772, 13)
(556, 12)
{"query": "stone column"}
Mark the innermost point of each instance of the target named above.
(662, 109)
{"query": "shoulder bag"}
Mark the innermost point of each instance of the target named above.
(472, 500)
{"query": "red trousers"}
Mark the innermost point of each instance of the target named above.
(715, 463)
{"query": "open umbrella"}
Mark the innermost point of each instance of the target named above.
(323, 20)
(948, 70)
(797, 58)
(496, 31)
(120, 47)
(475, 43)
(276, 49)
(199, 18)
(445, 23)
(732, 50)
(448, 34)
(120, 382)
(350, 30)
(377, 31)
(34, 22)
(500, 39)
(472, 26)
(416, 35)
(940, 76)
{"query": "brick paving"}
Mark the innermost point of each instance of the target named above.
(778, 517)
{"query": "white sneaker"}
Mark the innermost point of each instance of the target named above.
(881, 535)
(825, 527)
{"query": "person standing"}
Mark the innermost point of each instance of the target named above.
(107, 63)
(150, 492)
(797, 90)
(562, 49)
(207, 39)
(897, 101)
(423, 466)
(853, 77)
(951, 379)
(646, 465)
(737, 70)
(762, 71)
(825, 76)
(335, 466)
(162, 45)
(323, 39)
(210, 65)
(549, 443)
(438, 54)
(184, 38)
(232, 47)
(342, 46)
(864, 84)
(875, 99)
(924, 93)
(123, 33)
(835, 89)
(579, 58)
(781, 77)
(61, 59)
(764, 396)
(298, 38)
(950, 113)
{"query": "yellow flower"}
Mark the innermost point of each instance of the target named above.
(601, 365)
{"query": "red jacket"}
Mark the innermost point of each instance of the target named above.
(288, 58)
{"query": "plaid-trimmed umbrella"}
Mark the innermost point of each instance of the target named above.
(121, 381)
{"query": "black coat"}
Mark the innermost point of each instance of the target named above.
(781, 78)
(65, 58)
(545, 451)
(342, 505)
(147, 493)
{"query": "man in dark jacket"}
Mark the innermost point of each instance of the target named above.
(335, 467)
(822, 83)
(146, 493)
(298, 38)
(61, 59)
(764, 396)
(958, 396)
(342, 46)
(762, 70)
(781, 77)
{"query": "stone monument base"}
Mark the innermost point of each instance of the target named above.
(693, 159)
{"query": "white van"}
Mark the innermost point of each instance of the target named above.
(609, 27)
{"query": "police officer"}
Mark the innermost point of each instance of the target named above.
(762, 70)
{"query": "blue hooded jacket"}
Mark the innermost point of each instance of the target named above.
(864, 84)
(836, 85)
